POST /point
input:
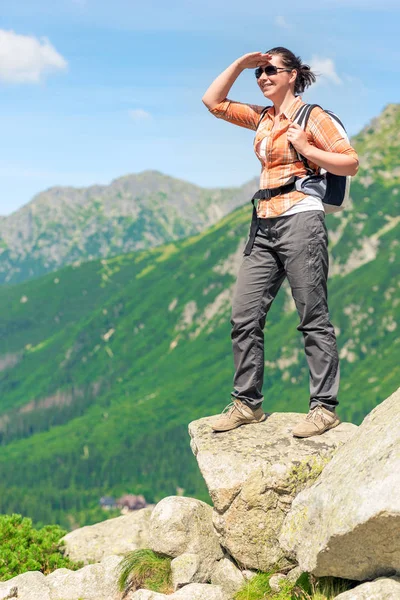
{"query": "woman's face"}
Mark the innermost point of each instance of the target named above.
(277, 85)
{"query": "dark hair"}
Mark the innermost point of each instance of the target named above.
(305, 77)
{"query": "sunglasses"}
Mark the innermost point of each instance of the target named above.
(269, 70)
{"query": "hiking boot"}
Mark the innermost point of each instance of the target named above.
(237, 413)
(318, 420)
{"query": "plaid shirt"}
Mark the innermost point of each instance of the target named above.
(279, 160)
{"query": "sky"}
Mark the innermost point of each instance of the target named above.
(92, 90)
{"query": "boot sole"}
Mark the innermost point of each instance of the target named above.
(335, 424)
(264, 417)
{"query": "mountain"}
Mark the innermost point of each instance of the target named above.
(103, 364)
(63, 225)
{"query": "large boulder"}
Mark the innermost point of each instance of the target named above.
(384, 588)
(93, 582)
(28, 586)
(253, 473)
(348, 523)
(180, 525)
(114, 536)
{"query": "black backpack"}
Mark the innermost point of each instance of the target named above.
(332, 189)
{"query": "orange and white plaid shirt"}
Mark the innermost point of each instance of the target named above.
(279, 160)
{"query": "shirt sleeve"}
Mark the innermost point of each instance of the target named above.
(238, 113)
(326, 136)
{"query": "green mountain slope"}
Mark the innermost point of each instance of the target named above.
(103, 364)
(63, 225)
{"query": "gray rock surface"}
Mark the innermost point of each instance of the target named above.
(384, 588)
(275, 582)
(93, 582)
(194, 591)
(185, 570)
(293, 575)
(180, 525)
(228, 576)
(359, 491)
(111, 537)
(253, 473)
(28, 586)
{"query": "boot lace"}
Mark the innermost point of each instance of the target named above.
(228, 410)
(317, 413)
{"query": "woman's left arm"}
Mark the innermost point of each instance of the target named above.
(329, 149)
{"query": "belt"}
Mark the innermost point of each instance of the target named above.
(265, 194)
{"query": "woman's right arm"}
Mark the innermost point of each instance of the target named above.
(219, 89)
(215, 98)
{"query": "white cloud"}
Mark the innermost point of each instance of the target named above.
(281, 22)
(325, 67)
(26, 59)
(139, 114)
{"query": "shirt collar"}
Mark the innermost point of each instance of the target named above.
(290, 111)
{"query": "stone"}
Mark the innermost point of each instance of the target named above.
(200, 591)
(28, 586)
(180, 525)
(275, 582)
(93, 582)
(228, 576)
(146, 595)
(185, 569)
(348, 523)
(294, 574)
(194, 591)
(253, 473)
(380, 589)
(111, 537)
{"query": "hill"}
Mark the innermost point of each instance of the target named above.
(64, 225)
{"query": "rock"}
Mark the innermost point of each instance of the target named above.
(294, 574)
(228, 576)
(380, 589)
(194, 591)
(28, 586)
(275, 582)
(180, 525)
(200, 591)
(93, 582)
(185, 569)
(146, 595)
(114, 536)
(348, 523)
(248, 574)
(253, 473)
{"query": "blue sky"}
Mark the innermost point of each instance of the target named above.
(92, 90)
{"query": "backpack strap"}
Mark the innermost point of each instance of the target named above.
(262, 114)
(301, 118)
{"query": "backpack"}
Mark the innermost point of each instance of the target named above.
(333, 190)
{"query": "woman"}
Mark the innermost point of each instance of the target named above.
(291, 239)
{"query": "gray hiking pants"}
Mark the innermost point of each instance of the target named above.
(295, 247)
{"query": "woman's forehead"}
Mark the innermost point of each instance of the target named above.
(276, 60)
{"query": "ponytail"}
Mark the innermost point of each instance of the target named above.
(305, 77)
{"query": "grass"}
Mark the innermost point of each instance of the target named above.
(306, 587)
(145, 569)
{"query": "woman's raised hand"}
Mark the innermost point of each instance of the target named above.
(252, 60)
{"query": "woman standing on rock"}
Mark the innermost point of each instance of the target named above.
(290, 237)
